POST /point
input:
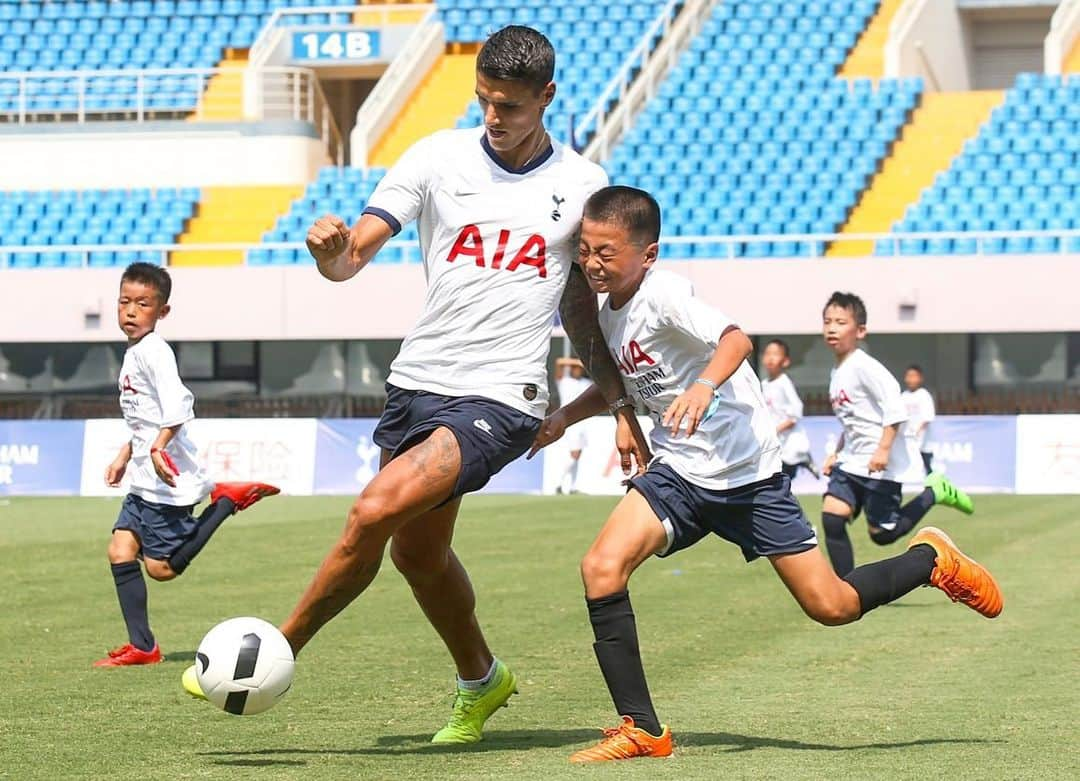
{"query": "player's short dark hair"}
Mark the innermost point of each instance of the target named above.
(848, 301)
(914, 368)
(782, 345)
(628, 207)
(150, 275)
(518, 53)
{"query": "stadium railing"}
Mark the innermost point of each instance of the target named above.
(268, 93)
(810, 245)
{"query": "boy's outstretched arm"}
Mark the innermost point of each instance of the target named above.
(733, 348)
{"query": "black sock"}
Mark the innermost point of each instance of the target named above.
(884, 581)
(917, 508)
(619, 656)
(211, 518)
(131, 591)
(838, 544)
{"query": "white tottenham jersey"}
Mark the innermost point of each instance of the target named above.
(662, 340)
(784, 403)
(866, 398)
(920, 409)
(498, 245)
(152, 397)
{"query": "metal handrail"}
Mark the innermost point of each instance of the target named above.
(731, 243)
(636, 60)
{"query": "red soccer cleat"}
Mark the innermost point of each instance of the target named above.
(128, 654)
(243, 495)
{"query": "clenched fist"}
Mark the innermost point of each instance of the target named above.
(327, 238)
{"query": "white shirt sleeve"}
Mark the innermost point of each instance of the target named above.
(680, 309)
(927, 406)
(400, 194)
(883, 386)
(176, 401)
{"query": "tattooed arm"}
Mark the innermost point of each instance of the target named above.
(580, 318)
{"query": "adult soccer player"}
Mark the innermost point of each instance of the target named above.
(499, 209)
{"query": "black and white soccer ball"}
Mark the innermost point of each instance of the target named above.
(244, 665)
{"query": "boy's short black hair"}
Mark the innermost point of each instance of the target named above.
(632, 209)
(150, 275)
(781, 344)
(848, 301)
(914, 368)
(518, 53)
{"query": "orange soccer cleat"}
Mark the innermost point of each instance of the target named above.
(626, 742)
(128, 654)
(243, 495)
(961, 577)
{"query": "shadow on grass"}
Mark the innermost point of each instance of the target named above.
(518, 740)
(180, 656)
(260, 762)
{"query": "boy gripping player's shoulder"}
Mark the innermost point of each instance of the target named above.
(155, 522)
(787, 409)
(717, 474)
(865, 472)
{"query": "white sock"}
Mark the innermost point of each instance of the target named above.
(479, 683)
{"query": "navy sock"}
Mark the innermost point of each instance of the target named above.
(211, 518)
(619, 656)
(838, 544)
(905, 520)
(131, 591)
(884, 581)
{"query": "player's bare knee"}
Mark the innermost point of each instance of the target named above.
(419, 567)
(603, 573)
(121, 552)
(829, 612)
(367, 521)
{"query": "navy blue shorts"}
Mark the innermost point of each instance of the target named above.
(880, 499)
(762, 518)
(489, 433)
(161, 528)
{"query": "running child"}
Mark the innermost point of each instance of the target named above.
(716, 469)
(156, 524)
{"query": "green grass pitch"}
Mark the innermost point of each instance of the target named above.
(751, 688)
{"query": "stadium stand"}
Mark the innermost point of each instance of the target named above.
(92, 217)
(1021, 173)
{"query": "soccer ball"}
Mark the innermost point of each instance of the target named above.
(244, 665)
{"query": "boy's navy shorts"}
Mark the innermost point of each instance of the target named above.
(161, 528)
(880, 499)
(489, 433)
(762, 518)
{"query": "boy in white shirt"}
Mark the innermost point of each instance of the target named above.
(155, 522)
(787, 409)
(866, 470)
(921, 413)
(686, 363)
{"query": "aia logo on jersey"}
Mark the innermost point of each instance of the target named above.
(125, 385)
(840, 399)
(631, 356)
(471, 244)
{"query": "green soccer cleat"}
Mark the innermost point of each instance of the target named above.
(190, 681)
(948, 494)
(474, 707)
